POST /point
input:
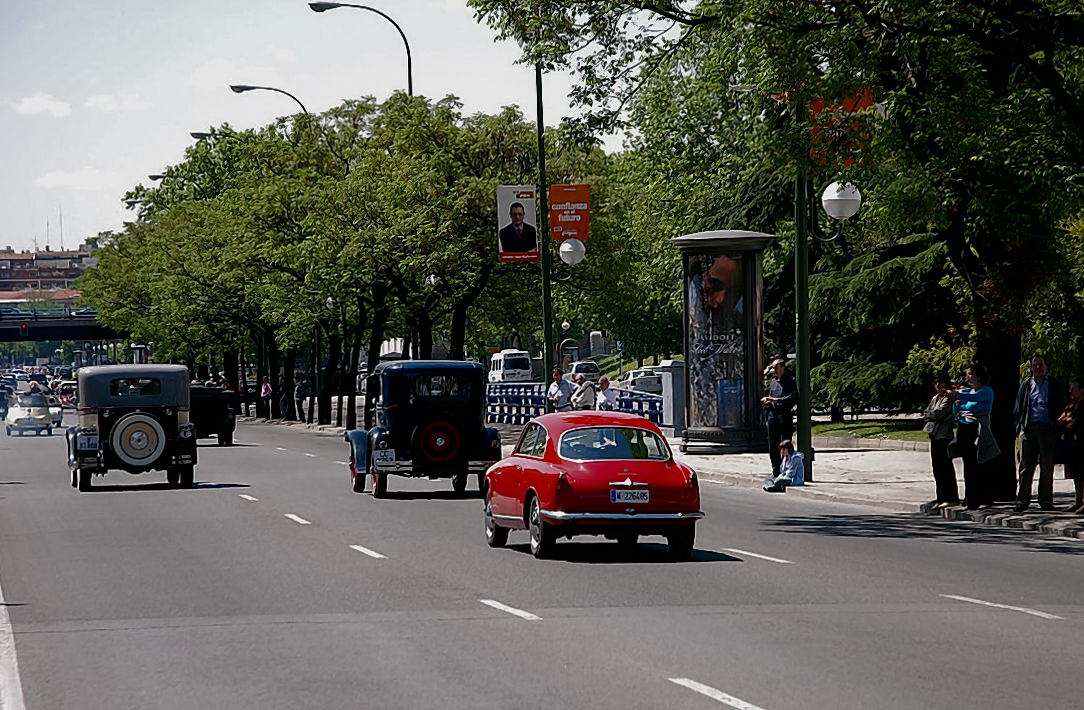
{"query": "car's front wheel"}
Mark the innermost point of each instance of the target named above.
(459, 483)
(496, 536)
(543, 536)
(680, 543)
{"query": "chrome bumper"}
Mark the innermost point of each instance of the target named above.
(408, 466)
(560, 516)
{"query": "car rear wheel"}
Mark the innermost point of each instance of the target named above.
(83, 479)
(496, 536)
(380, 485)
(543, 536)
(357, 480)
(680, 543)
(225, 438)
(459, 483)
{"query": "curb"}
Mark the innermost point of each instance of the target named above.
(854, 442)
(320, 428)
(1053, 524)
(810, 491)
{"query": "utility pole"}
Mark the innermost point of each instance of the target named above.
(801, 312)
(544, 237)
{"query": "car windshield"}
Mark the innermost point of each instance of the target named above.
(442, 387)
(517, 363)
(613, 443)
(31, 400)
(135, 387)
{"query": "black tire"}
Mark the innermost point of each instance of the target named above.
(225, 438)
(543, 536)
(83, 477)
(681, 544)
(380, 485)
(75, 479)
(459, 483)
(188, 476)
(357, 479)
(496, 536)
(627, 540)
(173, 476)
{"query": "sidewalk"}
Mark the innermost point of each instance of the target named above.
(890, 479)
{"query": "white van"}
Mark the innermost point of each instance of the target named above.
(510, 366)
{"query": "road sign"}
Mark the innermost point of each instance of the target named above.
(517, 234)
(570, 212)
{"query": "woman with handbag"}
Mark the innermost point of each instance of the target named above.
(1071, 423)
(939, 427)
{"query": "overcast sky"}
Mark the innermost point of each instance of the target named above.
(96, 94)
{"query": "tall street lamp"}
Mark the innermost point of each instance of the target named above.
(324, 6)
(242, 88)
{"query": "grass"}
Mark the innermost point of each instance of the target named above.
(898, 429)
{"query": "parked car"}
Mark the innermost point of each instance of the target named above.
(214, 412)
(132, 418)
(510, 366)
(592, 473)
(640, 381)
(586, 368)
(29, 412)
(429, 422)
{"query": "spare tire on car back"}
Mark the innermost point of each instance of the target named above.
(438, 442)
(138, 439)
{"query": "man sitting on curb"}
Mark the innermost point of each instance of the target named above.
(791, 469)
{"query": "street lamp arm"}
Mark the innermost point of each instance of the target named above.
(322, 6)
(242, 88)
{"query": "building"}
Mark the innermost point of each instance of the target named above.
(43, 270)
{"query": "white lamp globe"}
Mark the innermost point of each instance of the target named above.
(841, 200)
(572, 251)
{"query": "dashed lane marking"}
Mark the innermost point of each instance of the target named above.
(311, 456)
(297, 519)
(281, 448)
(736, 551)
(714, 694)
(344, 463)
(526, 615)
(366, 551)
(248, 497)
(1021, 609)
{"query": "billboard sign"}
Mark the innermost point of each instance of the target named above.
(517, 232)
(570, 212)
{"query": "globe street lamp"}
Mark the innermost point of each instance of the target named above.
(572, 251)
(242, 88)
(841, 201)
(324, 6)
(200, 135)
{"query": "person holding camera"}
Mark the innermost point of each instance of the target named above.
(940, 427)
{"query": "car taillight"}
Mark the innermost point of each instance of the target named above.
(87, 417)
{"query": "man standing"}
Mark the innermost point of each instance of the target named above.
(559, 392)
(779, 407)
(1038, 402)
(301, 391)
(518, 237)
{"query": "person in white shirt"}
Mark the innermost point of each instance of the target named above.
(584, 396)
(559, 392)
(606, 400)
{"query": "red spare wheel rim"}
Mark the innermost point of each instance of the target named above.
(439, 442)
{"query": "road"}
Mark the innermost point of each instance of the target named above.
(247, 592)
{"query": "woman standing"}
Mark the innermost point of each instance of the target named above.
(265, 395)
(939, 427)
(1072, 422)
(974, 441)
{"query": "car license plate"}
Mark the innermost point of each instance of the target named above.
(88, 443)
(383, 455)
(618, 495)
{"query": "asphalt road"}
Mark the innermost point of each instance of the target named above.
(135, 595)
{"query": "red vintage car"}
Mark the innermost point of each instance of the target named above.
(592, 473)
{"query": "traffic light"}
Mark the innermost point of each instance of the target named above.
(24, 329)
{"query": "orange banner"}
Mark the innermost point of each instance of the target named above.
(570, 212)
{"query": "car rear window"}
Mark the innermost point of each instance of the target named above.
(587, 367)
(613, 443)
(442, 387)
(517, 363)
(135, 387)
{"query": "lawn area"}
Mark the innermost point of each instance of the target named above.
(900, 429)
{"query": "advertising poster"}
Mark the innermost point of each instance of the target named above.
(517, 232)
(716, 288)
(570, 212)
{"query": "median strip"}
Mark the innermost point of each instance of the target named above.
(526, 615)
(1021, 609)
(366, 551)
(736, 551)
(297, 519)
(714, 694)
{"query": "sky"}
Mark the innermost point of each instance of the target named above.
(97, 94)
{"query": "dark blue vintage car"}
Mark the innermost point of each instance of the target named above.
(429, 418)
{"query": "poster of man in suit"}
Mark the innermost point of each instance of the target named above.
(517, 235)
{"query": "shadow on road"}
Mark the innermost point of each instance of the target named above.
(161, 486)
(214, 445)
(613, 553)
(12, 483)
(921, 527)
(433, 495)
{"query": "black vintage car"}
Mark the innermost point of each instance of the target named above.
(214, 412)
(429, 422)
(132, 418)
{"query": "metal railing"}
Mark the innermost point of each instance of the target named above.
(518, 403)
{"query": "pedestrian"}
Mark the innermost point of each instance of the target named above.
(779, 407)
(791, 469)
(559, 392)
(1072, 423)
(940, 428)
(1038, 402)
(974, 441)
(301, 391)
(606, 400)
(584, 396)
(265, 395)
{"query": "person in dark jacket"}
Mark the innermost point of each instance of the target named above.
(1039, 401)
(1072, 423)
(940, 426)
(779, 410)
(301, 391)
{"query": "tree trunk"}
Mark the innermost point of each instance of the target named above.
(998, 347)
(230, 366)
(330, 378)
(376, 339)
(274, 365)
(289, 363)
(458, 335)
(352, 382)
(261, 372)
(837, 413)
(425, 337)
(243, 368)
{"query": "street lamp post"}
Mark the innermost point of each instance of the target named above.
(544, 236)
(801, 312)
(324, 6)
(242, 88)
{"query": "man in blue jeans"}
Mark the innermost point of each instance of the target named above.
(1039, 401)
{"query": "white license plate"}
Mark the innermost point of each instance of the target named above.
(383, 455)
(87, 443)
(625, 496)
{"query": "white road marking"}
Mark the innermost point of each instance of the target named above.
(247, 497)
(367, 551)
(297, 519)
(736, 551)
(715, 694)
(311, 456)
(1021, 609)
(11, 688)
(344, 463)
(281, 448)
(511, 610)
